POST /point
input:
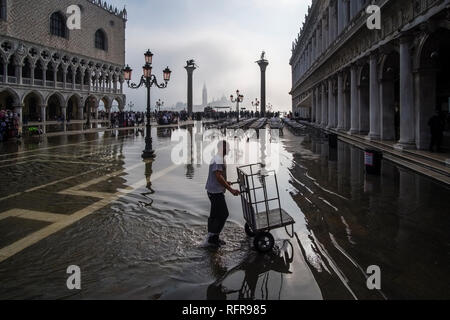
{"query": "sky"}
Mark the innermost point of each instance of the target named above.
(224, 37)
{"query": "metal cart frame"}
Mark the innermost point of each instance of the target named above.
(259, 223)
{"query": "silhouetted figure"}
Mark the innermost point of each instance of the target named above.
(437, 126)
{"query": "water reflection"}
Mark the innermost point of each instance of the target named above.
(254, 277)
(355, 220)
(151, 237)
(148, 177)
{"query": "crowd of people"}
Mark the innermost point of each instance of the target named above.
(127, 119)
(9, 125)
(166, 117)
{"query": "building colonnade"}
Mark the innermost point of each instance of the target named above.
(383, 84)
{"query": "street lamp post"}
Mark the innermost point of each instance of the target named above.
(239, 99)
(159, 104)
(147, 80)
(255, 104)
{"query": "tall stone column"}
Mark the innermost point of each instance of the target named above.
(407, 118)
(313, 106)
(19, 73)
(55, 76)
(364, 107)
(353, 8)
(354, 105)
(319, 38)
(64, 117)
(44, 75)
(331, 106)
(74, 74)
(345, 16)
(324, 34)
(18, 110)
(5, 72)
(374, 92)
(44, 118)
(318, 107)
(263, 63)
(33, 67)
(80, 112)
(425, 89)
(324, 106)
(331, 23)
(64, 77)
(340, 96)
(340, 15)
(190, 68)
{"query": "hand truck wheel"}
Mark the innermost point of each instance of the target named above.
(264, 242)
(249, 231)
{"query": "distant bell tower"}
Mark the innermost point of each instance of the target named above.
(205, 97)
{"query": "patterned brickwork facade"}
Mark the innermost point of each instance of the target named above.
(30, 21)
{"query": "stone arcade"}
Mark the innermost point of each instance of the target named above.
(49, 73)
(386, 83)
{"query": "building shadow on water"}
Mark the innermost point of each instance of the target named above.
(253, 278)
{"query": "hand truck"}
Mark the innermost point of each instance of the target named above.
(262, 213)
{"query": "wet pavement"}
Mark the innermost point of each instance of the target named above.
(135, 228)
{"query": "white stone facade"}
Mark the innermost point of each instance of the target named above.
(386, 83)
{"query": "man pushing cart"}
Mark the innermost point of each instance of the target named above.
(260, 199)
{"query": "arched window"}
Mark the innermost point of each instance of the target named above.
(100, 40)
(58, 25)
(3, 9)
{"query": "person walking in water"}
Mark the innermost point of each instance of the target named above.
(437, 126)
(216, 186)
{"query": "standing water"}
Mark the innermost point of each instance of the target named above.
(146, 243)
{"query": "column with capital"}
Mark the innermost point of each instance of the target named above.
(263, 63)
(354, 103)
(340, 96)
(55, 75)
(318, 106)
(313, 106)
(5, 72)
(121, 80)
(190, 68)
(43, 118)
(331, 106)
(64, 117)
(340, 15)
(374, 92)
(19, 67)
(407, 118)
(324, 105)
(345, 13)
(324, 33)
(74, 75)
(64, 77)
(331, 22)
(33, 68)
(44, 75)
